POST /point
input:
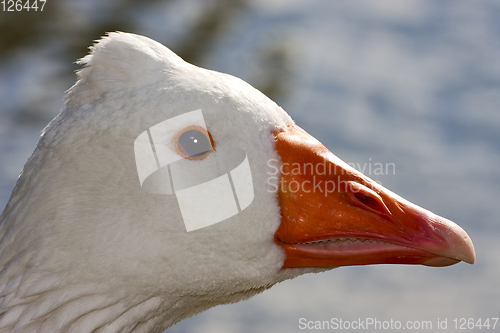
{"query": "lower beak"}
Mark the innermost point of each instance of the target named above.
(332, 215)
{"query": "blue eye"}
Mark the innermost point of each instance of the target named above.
(193, 143)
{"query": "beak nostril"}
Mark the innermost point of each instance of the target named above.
(366, 198)
(368, 201)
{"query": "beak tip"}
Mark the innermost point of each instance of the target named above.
(470, 254)
(461, 245)
(455, 244)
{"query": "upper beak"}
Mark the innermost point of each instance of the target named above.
(332, 215)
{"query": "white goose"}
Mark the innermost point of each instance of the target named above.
(89, 244)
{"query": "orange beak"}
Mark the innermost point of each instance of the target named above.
(332, 215)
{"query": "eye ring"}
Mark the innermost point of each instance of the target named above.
(193, 143)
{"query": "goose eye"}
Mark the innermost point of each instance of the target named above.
(193, 143)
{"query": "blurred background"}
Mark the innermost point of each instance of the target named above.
(415, 83)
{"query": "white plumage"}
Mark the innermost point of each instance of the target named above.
(79, 234)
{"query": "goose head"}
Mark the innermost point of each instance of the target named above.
(103, 232)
